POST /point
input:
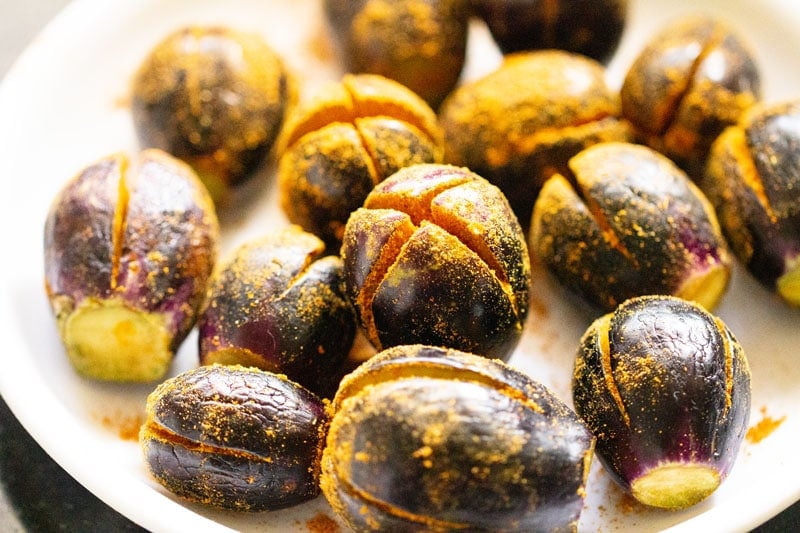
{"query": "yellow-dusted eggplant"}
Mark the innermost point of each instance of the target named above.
(627, 222)
(436, 256)
(278, 304)
(129, 246)
(214, 96)
(235, 438)
(429, 439)
(753, 180)
(665, 387)
(350, 136)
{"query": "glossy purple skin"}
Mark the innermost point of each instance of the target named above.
(760, 212)
(589, 27)
(82, 218)
(485, 409)
(630, 223)
(682, 388)
(419, 43)
(282, 301)
(235, 438)
(462, 277)
(692, 79)
(157, 260)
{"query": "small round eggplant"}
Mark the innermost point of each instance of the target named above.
(627, 222)
(665, 387)
(429, 439)
(128, 251)
(279, 305)
(339, 144)
(589, 27)
(436, 256)
(753, 180)
(521, 123)
(214, 97)
(419, 43)
(235, 438)
(694, 78)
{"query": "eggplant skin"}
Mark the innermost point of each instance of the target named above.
(129, 245)
(753, 180)
(694, 78)
(214, 97)
(419, 43)
(349, 136)
(627, 222)
(436, 256)
(425, 438)
(589, 27)
(660, 381)
(279, 304)
(234, 437)
(522, 122)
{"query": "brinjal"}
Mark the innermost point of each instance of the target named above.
(129, 246)
(695, 76)
(278, 304)
(753, 180)
(664, 385)
(589, 27)
(436, 256)
(625, 221)
(337, 145)
(235, 438)
(522, 122)
(419, 43)
(425, 438)
(216, 97)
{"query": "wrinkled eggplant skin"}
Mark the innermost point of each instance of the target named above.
(647, 226)
(282, 302)
(489, 449)
(692, 80)
(762, 226)
(419, 43)
(78, 243)
(436, 256)
(685, 398)
(170, 246)
(589, 27)
(235, 438)
(167, 246)
(214, 97)
(521, 123)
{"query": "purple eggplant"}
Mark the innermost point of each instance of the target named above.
(235, 438)
(521, 123)
(753, 180)
(665, 387)
(337, 145)
(279, 305)
(691, 80)
(626, 222)
(436, 256)
(589, 27)
(419, 43)
(215, 97)
(128, 249)
(431, 439)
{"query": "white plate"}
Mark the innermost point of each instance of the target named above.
(64, 104)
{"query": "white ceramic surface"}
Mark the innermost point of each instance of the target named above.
(64, 105)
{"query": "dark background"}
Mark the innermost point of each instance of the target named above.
(35, 493)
